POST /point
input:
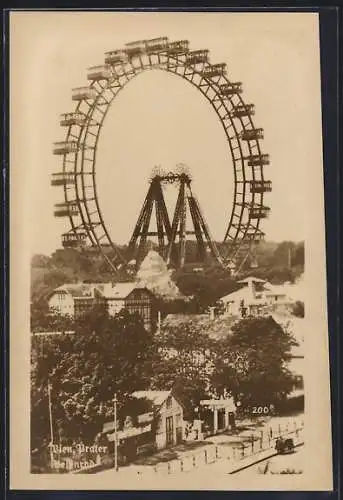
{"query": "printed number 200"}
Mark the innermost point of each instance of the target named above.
(261, 409)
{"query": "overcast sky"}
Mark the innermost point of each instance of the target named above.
(161, 120)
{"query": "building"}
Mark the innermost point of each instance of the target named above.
(160, 428)
(74, 299)
(254, 296)
(297, 327)
(224, 412)
(77, 299)
(169, 417)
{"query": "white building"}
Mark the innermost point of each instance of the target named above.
(167, 415)
(77, 299)
(169, 411)
(253, 297)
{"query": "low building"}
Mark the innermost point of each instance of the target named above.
(254, 297)
(160, 428)
(224, 413)
(76, 299)
(169, 417)
(296, 364)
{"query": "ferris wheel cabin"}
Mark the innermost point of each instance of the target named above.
(259, 212)
(252, 134)
(72, 240)
(116, 57)
(214, 70)
(76, 118)
(96, 73)
(62, 179)
(260, 186)
(66, 209)
(197, 56)
(255, 236)
(243, 110)
(65, 147)
(231, 88)
(136, 48)
(257, 160)
(157, 44)
(179, 47)
(81, 93)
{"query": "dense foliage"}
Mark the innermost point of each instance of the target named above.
(298, 309)
(105, 355)
(183, 361)
(252, 362)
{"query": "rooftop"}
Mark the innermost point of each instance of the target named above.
(251, 279)
(157, 398)
(216, 328)
(107, 290)
(120, 290)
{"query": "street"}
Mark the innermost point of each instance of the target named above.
(279, 464)
(223, 455)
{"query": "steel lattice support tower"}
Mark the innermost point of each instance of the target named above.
(141, 232)
(172, 238)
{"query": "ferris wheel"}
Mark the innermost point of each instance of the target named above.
(77, 177)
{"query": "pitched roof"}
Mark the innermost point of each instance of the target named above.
(276, 290)
(76, 289)
(107, 290)
(156, 397)
(251, 279)
(120, 290)
(241, 293)
(216, 328)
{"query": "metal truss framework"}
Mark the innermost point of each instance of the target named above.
(84, 124)
(172, 237)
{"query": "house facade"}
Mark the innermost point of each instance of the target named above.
(253, 297)
(160, 428)
(75, 300)
(169, 417)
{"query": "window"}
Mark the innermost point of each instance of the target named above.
(169, 403)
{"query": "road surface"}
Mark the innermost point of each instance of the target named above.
(293, 463)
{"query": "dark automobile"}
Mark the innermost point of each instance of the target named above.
(283, 445)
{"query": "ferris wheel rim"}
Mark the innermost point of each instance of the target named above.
(135, 71)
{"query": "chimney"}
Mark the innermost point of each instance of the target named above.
(251, 288)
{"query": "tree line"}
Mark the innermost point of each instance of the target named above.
(277, 263)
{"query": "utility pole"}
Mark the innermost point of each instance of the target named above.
(51, 427)
(115, 401)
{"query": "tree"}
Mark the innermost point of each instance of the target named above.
(183, 360)
(105, 355)
(43, 319)
(206, 288)
(253, 362)
(298, 309)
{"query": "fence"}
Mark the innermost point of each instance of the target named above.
(265, 440)
(250, 445)
(203, 456)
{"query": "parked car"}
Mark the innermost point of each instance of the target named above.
(284, 445)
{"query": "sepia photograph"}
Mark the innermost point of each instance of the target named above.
(168, 282)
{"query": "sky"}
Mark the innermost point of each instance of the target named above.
(159, 119)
